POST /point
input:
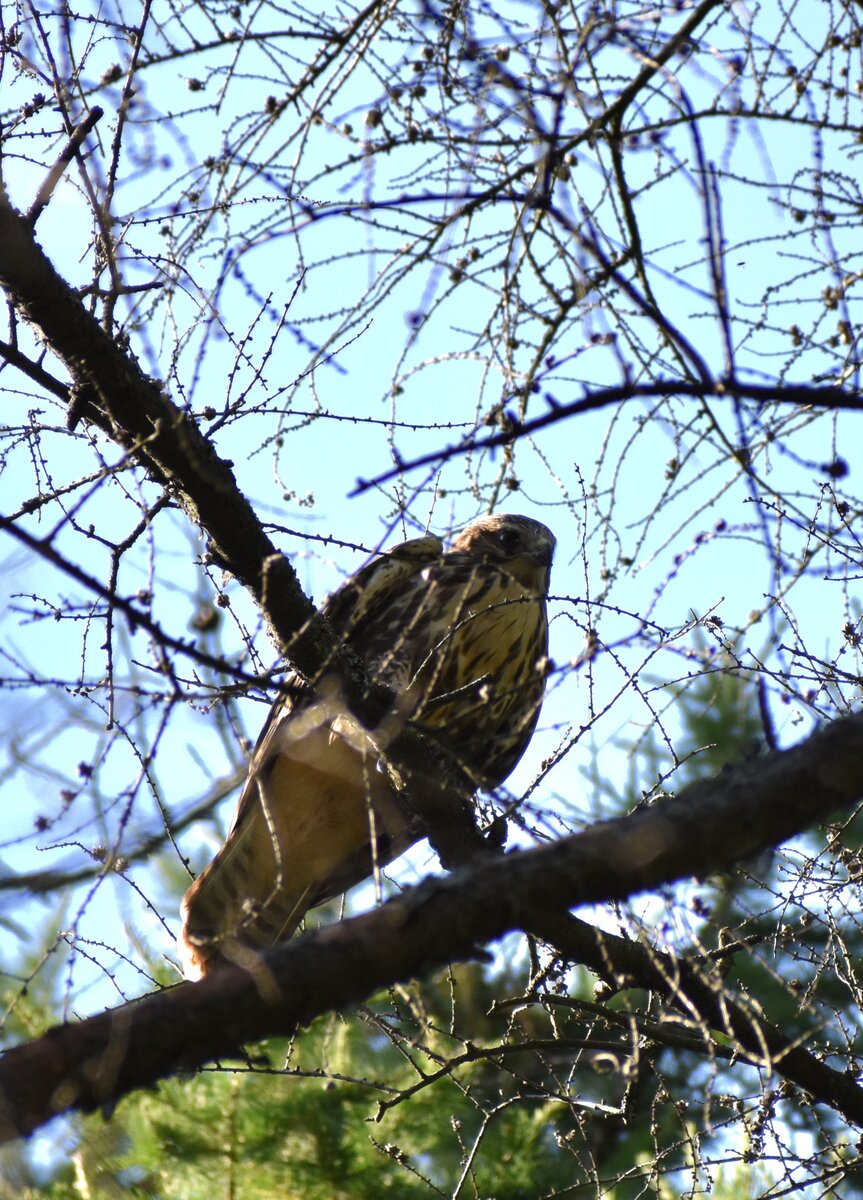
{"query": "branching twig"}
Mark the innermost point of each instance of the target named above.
(66, 155)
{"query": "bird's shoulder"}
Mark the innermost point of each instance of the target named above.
(376, 585)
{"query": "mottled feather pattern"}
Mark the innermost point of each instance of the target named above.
(461, 637)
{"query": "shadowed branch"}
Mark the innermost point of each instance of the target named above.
(704, 829)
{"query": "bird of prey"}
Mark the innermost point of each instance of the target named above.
(460, 636)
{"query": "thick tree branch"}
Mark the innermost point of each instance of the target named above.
(706, 828)
(138, 414)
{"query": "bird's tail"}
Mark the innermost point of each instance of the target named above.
(320, 818)
(234, 906)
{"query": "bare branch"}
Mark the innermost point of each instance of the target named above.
(829, 398)
(141, 417)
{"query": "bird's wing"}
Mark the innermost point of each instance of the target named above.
(374, 585)
(369, 590)
(315, 814)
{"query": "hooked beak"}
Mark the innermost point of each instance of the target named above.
(544, 553)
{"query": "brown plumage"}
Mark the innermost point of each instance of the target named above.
(461, 637)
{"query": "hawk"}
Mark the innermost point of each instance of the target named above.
(460, 636)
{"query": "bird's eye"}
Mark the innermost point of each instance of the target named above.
(509, 539)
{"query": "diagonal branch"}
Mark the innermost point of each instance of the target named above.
(137, 412)
(110, 390)
(830, 398)
(705, 829)
(709, 826)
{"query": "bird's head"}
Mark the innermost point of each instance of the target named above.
(519, 545)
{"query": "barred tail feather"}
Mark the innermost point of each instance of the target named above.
(318, 818)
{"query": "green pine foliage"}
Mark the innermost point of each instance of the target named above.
(390, 1101)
